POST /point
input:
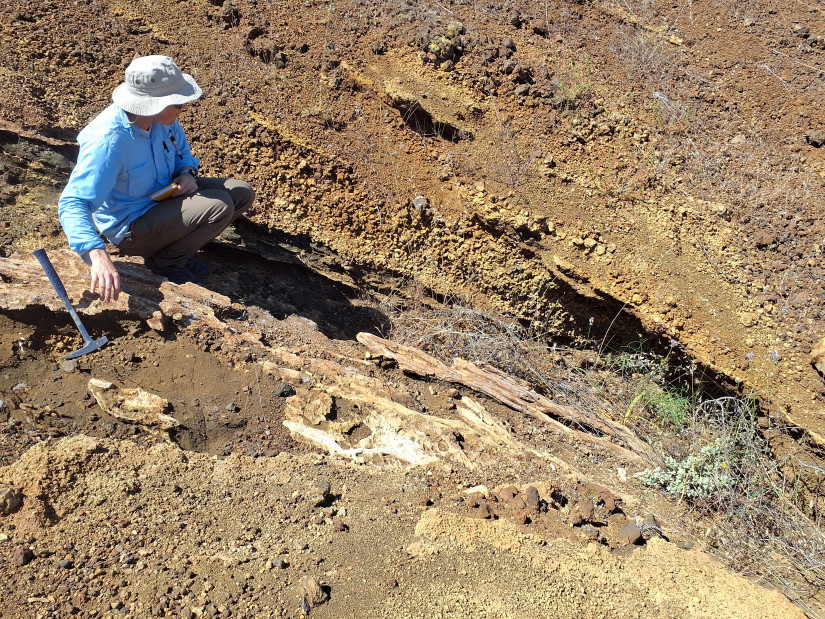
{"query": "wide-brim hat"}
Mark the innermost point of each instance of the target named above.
(153, 83)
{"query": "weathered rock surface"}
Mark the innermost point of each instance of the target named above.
(11, 499)
(132, 405)
(296, 511)
(818, 357)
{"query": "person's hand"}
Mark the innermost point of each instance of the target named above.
(105, 278)
(186, 184)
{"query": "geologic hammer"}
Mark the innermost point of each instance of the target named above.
(91, 345)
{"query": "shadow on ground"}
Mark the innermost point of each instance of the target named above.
(284, 286)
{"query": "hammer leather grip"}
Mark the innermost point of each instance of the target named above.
(44, 261)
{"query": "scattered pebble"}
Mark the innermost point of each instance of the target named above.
(22, 556)
(283, 390)
(69, 365)
(319, 494)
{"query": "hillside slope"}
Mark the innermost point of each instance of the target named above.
(558, 162)
(614, 175)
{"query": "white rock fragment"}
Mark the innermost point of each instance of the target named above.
(132, 405)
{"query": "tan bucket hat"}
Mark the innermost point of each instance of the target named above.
(153, 83)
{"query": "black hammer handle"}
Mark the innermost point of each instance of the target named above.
(44, 261)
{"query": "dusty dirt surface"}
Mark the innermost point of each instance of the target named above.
(603, 171)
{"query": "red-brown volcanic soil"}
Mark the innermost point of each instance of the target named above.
(605, 172)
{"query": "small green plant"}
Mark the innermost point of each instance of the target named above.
(721, 456)
(573, 81)
(710, 452)
(658, 390)
(670, 405)
(698, 476)
(633, 360)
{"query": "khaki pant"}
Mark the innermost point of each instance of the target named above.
(174, 230)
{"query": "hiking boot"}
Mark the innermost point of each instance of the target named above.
(201, 269)
(174, 274)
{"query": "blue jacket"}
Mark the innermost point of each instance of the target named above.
(118, 167)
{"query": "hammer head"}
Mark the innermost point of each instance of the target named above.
(91, 346)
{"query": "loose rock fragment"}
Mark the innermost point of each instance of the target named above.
(815, 138)
(283, 390)
(533, 498)
(22, 556)
(801, 30)
(607, 499)
(319, 494)
(517, 503)
(132, 405)
(630, 534)
(575, 517)
(586, 509)
(11, 499)
(507, 494)
(313, 592)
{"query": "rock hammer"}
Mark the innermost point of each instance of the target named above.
(91, 345)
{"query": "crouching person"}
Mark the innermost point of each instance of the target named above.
(119, 190)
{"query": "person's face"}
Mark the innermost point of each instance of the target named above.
(169, 114)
